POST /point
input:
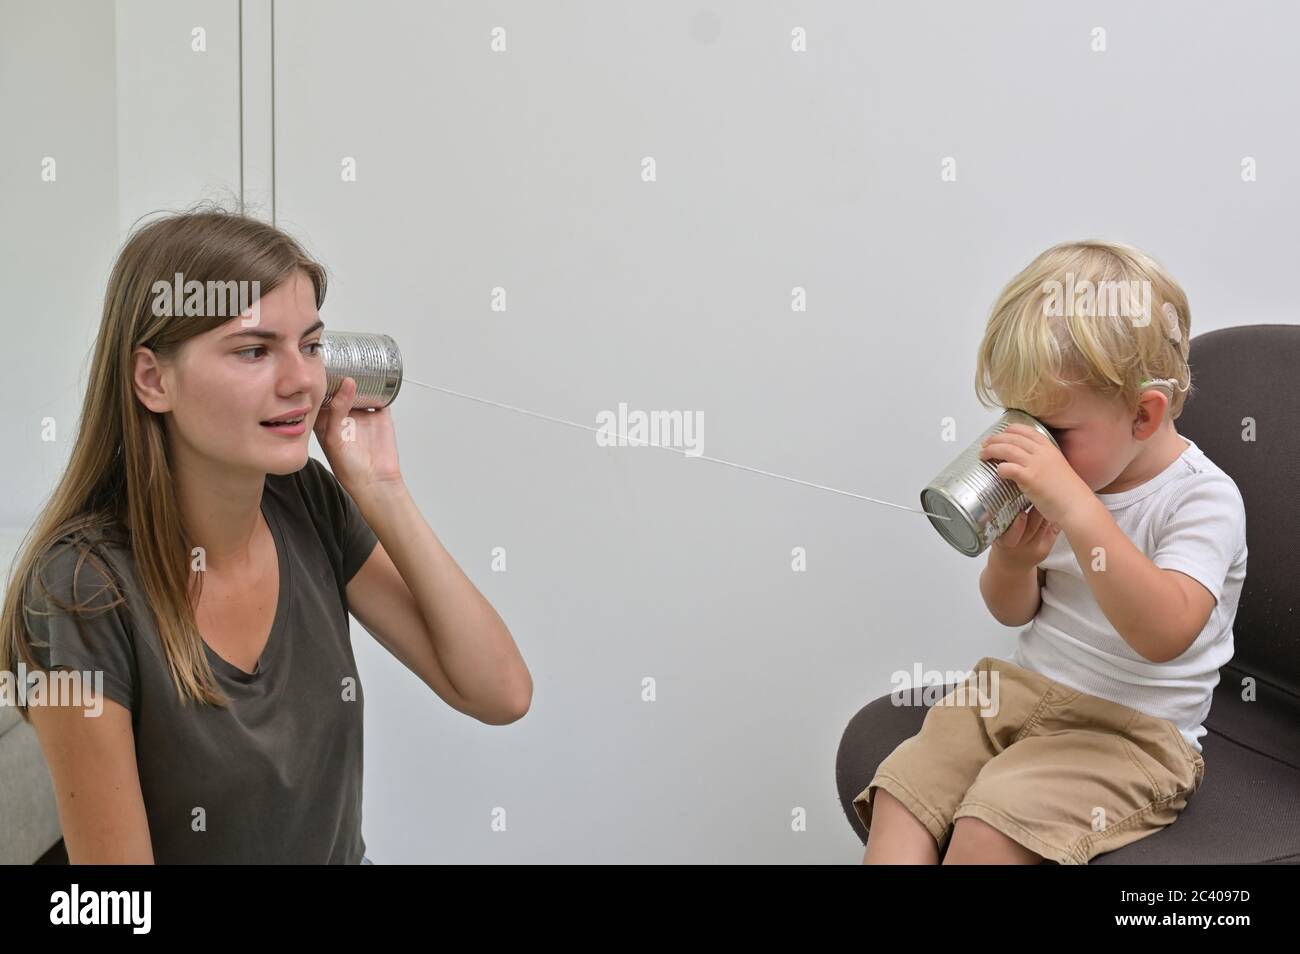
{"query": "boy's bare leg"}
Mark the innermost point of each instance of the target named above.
(897, 837)
(976, 842)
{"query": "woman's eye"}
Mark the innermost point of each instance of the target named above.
(256, 348)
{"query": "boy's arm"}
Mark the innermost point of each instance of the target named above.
(1158, 612)
(1012, 592)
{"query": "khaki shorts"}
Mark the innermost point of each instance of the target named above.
(1064, 773)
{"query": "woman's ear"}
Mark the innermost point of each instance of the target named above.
(149, 379)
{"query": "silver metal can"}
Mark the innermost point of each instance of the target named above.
(978, 503)
(374, 361)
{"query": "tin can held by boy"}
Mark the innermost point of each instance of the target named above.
(978, 504)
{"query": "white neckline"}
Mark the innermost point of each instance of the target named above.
(1125, 497)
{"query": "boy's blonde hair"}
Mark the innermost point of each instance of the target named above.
(1045, 332)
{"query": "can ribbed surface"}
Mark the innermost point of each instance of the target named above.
(372, 360)
(980, 505)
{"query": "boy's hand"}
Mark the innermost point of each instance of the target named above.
(1027, 542)
(1040, 470)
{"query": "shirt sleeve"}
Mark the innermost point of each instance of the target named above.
(1204, 532)
(355, 538)
(96, 640)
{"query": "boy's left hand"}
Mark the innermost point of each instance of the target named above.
(1039, 468)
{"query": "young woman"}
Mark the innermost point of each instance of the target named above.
(197, 568)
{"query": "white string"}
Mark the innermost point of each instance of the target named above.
(677, 450)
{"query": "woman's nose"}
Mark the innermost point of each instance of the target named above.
(304, 374)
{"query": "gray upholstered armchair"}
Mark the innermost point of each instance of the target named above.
(1247, 810)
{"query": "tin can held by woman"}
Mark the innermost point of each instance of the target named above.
(978, 504)
(373, 361)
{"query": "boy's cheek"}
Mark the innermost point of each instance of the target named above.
(1085, 472)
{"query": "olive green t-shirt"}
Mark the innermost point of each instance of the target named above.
(275, 777)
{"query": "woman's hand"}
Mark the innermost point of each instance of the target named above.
(360, 443)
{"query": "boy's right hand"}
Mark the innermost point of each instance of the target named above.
(1027, 542)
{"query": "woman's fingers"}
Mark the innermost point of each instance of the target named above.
(339, 407)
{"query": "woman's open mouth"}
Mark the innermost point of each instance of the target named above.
(289, 427)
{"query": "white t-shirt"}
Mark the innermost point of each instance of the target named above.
(1190, 517)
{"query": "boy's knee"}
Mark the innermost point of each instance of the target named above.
(975, 841)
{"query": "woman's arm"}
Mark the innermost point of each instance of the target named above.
(410, 594)
(418, 603)
(96, 782)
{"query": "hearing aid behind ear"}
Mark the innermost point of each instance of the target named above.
(1170, 384)
(978, 504)
(373, 361)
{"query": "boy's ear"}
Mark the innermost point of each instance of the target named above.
(1153, 404)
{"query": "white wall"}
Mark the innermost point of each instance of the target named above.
(57, 238)
(178, 107)
(136, 122)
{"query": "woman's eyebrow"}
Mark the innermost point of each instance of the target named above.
(270, 335)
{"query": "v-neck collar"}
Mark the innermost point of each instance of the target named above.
(273, 641)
